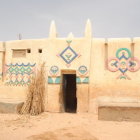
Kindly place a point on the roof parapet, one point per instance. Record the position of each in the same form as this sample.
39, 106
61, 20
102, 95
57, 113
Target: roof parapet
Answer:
53, 32
88, 29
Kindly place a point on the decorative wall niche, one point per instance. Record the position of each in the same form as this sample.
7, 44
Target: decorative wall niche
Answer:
19, 53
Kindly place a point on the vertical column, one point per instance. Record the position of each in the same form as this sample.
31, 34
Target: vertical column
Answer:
2, 60
1, 66
132, 48
106, 54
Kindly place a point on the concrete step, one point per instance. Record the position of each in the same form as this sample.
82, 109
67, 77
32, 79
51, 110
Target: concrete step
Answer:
10, 106
119, 113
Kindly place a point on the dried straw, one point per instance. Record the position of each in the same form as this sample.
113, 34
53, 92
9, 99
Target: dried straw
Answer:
34, 104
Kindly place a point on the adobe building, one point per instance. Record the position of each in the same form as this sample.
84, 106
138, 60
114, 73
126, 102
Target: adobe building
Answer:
81, 73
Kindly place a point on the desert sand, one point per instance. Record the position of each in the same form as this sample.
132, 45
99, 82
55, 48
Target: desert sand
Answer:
65, 126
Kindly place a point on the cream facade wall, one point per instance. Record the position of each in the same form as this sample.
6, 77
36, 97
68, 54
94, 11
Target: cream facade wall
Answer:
105, 69
105, 85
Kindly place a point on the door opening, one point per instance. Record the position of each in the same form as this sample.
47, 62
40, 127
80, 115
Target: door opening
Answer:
69, 93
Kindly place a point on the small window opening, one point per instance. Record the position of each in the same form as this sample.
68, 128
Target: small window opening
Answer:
19, 53
28, 50
40, 50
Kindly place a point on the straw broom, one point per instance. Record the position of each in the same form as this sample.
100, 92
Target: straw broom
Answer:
34, 104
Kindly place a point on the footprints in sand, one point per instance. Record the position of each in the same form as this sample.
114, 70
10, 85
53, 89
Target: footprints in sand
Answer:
72, 133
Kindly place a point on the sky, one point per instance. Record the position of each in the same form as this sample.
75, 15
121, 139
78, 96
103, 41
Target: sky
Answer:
32, 18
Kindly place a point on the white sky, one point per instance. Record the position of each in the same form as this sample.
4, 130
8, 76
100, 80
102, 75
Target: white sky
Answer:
31, 18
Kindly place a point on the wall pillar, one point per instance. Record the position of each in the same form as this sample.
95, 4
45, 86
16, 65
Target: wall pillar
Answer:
2, 60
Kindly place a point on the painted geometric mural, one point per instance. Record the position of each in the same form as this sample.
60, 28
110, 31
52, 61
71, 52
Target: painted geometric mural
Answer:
123, 62
68, 55
54, 80
19, 74
82, 78
82, 70
57, 80
54, 70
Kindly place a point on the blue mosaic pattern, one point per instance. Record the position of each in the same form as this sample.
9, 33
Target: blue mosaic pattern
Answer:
68, 55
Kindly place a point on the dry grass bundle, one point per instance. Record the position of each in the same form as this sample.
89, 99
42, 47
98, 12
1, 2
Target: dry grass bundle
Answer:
34, 104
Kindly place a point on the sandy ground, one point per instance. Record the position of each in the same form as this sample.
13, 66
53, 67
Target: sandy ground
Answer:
64, 126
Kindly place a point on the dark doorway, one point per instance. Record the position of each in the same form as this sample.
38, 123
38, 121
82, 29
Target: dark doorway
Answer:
69, 93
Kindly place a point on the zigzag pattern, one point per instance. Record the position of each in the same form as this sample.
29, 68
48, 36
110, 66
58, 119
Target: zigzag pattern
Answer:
20, 70
22, 64
19, 74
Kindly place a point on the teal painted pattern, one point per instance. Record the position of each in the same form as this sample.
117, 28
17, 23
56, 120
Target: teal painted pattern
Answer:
19, 74
86, 80
57, 80
82, 70
82, 80
50, 80
54, 80
78, 80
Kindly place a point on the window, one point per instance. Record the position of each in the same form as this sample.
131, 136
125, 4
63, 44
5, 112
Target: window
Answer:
19, 53
28, 50
40, 50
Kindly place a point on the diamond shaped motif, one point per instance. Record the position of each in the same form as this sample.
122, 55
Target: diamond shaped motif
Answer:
68, 55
